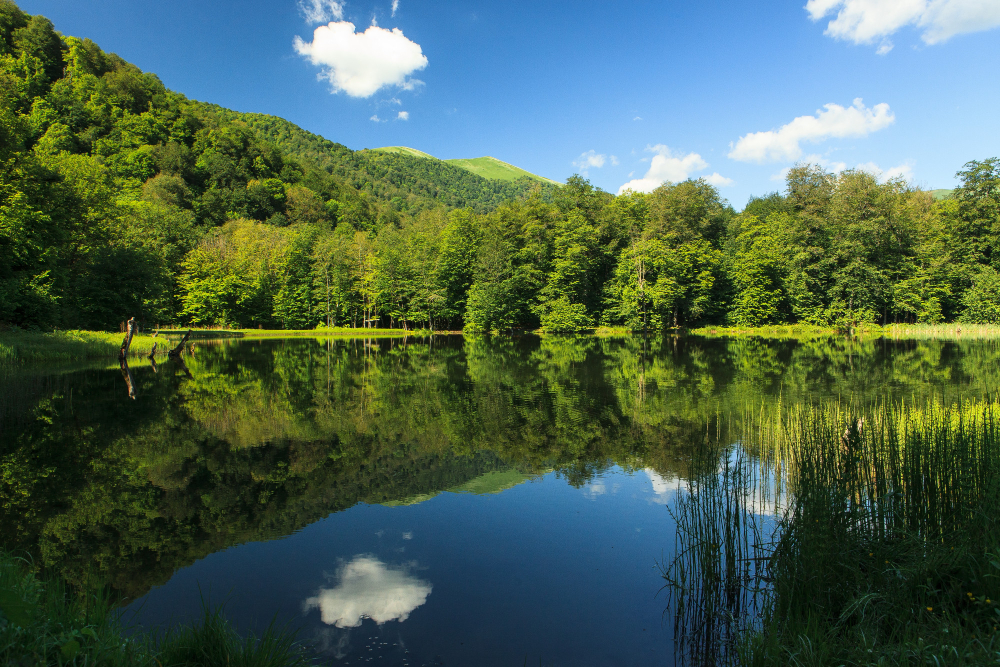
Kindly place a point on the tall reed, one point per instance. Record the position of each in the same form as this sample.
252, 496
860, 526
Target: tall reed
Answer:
885, 548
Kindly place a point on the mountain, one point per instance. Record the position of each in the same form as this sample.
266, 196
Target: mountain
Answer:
408, 179
486, 167
941, 194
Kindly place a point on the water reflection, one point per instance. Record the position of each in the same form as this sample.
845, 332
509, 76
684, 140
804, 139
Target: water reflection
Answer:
368, 588
254, 440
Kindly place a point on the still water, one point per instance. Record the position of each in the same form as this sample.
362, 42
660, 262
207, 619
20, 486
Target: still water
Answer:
440, 501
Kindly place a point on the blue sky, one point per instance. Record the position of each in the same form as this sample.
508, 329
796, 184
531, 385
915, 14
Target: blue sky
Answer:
626, 93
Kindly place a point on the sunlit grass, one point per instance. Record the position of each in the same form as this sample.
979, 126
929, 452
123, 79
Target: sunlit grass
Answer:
19, 346
956, 331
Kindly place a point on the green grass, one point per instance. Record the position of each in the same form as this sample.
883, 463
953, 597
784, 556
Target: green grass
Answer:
778, 331
941, 194
861, 536
42, 623
954, 331
487, 167
18, 346
405, 151
490, 167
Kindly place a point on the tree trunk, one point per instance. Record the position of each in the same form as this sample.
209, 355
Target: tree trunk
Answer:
127, 343
176, 352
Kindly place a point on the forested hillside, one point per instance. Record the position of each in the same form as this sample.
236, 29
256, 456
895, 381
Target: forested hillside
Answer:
119, 197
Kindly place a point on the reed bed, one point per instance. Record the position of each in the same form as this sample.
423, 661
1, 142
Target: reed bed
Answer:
884, 549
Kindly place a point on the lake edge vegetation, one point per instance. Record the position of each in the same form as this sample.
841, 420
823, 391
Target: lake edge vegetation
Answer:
851, 535
45, 623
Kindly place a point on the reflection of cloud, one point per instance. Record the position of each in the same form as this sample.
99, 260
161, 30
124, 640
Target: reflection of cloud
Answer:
368, 588
663, 488
595, 489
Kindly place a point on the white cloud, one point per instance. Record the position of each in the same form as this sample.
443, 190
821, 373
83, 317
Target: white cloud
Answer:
403, 115
720, 181
665, 166
663, 488
614, 161
321, 11
832, 121
367, 588
637, 118
395, 6
588, 160
375, 119
870, 21
360, 63
904, 171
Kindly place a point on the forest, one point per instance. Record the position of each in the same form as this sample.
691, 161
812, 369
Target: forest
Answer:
120, 198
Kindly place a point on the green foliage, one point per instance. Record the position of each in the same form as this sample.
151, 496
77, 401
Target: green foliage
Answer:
112, 187
982, 300
43, 623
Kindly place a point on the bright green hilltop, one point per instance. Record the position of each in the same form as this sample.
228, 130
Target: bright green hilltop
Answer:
487, 167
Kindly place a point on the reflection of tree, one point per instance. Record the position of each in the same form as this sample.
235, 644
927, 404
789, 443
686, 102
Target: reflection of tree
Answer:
258, 439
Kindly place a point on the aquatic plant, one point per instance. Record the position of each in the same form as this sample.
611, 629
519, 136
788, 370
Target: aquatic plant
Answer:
885, 549
45, 623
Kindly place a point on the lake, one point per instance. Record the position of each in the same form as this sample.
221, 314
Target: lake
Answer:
414, 501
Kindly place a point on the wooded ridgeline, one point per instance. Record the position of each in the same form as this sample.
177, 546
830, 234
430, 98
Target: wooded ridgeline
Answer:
121, 198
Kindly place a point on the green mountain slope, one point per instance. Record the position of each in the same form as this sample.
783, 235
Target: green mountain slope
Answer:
941, 194
405, 150
486, 167
490, 167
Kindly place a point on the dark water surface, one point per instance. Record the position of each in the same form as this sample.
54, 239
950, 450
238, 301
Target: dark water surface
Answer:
412, 502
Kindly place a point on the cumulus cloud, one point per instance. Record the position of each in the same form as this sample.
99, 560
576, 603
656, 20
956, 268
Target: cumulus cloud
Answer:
375, 119
663, 488
719, 181
590, 159
832, 121
360, 63
870, 21
368, 588
321, 11
904, 171
403, 115
666, 166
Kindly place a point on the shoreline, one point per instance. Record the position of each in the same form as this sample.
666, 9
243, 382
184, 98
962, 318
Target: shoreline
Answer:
19, 346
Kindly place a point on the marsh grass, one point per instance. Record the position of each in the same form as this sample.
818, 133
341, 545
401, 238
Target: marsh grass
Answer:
885, 547
714, 579
956, 331
42, 623
18, 346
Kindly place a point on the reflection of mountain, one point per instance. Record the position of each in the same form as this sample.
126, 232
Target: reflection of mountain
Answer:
368, 588
266, 437
494, 481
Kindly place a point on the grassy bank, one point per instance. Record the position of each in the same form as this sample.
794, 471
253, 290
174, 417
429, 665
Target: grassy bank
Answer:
895, 331
42, 624
866, 537
18, 346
